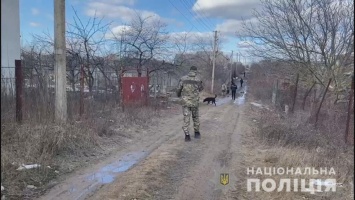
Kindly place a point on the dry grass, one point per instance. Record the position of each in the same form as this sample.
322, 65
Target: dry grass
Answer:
280, 140
65, 147
286, 143
37, 144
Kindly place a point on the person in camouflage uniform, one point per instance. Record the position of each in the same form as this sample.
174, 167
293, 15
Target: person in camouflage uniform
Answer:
188, 89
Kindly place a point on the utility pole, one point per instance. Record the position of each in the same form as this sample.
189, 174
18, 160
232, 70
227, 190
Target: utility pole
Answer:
214, 58
238, 58
60, 61
231, 70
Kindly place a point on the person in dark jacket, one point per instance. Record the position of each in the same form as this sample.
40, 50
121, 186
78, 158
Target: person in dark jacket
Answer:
241, 82
234, 89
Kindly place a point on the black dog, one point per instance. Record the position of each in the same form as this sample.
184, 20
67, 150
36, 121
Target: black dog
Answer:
211, 99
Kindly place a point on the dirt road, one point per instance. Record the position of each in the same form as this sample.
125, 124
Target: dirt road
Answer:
163, 166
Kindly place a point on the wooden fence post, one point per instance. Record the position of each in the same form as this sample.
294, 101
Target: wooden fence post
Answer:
320, 105
147, 90
81, 106
350, 105
19, 90
121, 89
306, 95
295, 94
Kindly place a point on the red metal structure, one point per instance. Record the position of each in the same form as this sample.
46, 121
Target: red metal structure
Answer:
135, 90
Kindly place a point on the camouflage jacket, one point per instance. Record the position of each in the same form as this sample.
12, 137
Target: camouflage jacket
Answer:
189, 88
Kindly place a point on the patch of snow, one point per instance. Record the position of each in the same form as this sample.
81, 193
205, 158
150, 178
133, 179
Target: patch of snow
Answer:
259, 105
31, 187
28, 166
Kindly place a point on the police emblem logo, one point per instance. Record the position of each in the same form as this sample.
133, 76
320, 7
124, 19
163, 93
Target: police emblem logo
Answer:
224, 178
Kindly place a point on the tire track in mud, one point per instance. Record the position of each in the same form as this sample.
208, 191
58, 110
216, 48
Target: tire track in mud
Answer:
161, 174
204, 180
226, 155
171, 156
87, 181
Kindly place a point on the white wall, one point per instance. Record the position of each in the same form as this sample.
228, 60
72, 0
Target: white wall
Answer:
10, 37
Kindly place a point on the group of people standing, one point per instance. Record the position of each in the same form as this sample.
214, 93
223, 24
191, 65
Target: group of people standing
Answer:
233, 88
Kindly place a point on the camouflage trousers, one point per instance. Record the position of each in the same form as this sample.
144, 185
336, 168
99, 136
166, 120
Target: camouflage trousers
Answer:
187, 111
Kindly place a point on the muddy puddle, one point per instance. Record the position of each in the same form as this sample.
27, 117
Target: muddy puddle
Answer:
87, 183
240, 100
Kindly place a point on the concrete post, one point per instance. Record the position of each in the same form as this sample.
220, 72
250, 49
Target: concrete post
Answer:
10, 43
275, 91
60, 61
214, 59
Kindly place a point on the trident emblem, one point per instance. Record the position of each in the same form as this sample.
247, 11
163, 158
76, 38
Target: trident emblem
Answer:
224, 178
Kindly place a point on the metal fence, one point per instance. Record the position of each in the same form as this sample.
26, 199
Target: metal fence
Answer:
287, 93
29, 93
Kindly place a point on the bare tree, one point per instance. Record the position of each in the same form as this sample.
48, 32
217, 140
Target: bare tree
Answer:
38, 59
86, 39
74, 62
315, 35
172, 59
145, 38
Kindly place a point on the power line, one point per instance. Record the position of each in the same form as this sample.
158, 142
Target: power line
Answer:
192, 15
186, 5
204, 15
195, 34
184, 16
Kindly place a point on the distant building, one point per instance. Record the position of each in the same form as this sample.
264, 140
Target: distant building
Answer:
10, 39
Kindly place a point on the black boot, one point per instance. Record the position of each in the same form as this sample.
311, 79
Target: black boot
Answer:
187, 138
197, 135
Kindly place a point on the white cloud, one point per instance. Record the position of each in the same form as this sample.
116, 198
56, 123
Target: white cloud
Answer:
117, 31
232, 12
122, 10
115, 9
191, 37
120, 29
231, 26
35, 11
226, 9
35, 24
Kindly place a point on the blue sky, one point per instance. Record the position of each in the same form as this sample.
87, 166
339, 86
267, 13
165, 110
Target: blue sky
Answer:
198, 16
